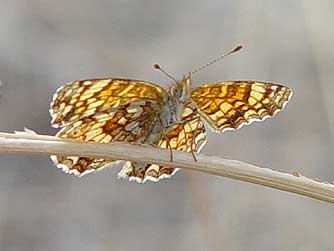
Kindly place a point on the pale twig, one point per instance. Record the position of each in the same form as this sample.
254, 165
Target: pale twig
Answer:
30, 143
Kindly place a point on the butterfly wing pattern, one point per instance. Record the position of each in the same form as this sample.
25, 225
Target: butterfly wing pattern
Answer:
103, 111
230, 105
109, 110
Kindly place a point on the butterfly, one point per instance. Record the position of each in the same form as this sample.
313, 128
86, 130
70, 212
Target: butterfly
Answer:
114, 109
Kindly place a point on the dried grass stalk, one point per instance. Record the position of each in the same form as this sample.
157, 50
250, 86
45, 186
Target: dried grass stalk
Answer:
30, 143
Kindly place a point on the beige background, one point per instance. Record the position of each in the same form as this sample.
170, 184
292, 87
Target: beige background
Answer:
44, 44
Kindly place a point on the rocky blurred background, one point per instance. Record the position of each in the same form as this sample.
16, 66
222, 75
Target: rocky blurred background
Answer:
44, 44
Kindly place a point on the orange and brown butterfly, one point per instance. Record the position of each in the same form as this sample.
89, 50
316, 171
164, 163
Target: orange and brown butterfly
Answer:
134, 111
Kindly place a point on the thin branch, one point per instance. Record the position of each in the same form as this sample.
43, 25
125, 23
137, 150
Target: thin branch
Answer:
47, 145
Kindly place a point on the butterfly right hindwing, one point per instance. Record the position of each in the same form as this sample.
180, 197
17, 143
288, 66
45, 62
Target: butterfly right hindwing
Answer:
187, 137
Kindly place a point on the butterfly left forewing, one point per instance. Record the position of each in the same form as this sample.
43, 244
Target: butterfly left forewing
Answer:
232, 104
83, 98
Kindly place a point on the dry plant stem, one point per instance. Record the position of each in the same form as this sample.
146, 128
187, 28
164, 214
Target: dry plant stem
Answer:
46, 145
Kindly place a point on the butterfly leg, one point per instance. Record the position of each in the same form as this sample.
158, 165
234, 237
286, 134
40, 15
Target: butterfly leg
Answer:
164, 137
170, 150
192, 142
169, 146
192, 150
187, 121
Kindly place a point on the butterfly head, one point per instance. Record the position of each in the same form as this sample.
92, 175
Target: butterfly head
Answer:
181, 90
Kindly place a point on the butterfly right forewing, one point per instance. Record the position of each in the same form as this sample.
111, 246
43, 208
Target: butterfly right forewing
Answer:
232, 104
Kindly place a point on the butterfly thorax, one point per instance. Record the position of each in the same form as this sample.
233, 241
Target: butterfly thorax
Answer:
179, 96
172, 114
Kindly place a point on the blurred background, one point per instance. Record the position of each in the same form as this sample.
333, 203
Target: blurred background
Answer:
44, 44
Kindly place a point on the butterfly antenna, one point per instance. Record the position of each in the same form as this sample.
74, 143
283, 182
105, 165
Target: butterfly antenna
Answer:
234, 50
157, 67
